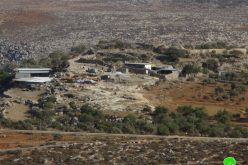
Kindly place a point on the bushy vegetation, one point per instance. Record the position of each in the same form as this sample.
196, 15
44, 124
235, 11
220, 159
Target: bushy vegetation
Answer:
231, 76
171, 54
226, 91
213, 45
211, 64
190, 69
20, 125
114, 44
57, 60
78, 49
5, 79
186, 120
223, 117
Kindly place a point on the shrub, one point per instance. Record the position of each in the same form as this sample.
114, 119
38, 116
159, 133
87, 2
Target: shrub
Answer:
217, 131
209, 81
171, 54
128, 128
167, 58
59, 61
44, 115
223, 117
212, 45
48, 105
78, 49
5, 78
175, 52
131, 119
235, 133
190, 69
57, 136
230, 76
160, 115
73, 105
211, 64
87, 109
163, 130
145, 127
23, 125
160, 110
203, 127
29, 63
219, 90
173, 127
51, 99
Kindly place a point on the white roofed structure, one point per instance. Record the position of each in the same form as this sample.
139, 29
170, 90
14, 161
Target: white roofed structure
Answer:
33, 75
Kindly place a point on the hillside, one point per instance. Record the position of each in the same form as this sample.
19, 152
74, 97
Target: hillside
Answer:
33, 28
77, 148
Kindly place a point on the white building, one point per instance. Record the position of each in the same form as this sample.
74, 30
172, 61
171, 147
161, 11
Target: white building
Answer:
33, 75
139, 67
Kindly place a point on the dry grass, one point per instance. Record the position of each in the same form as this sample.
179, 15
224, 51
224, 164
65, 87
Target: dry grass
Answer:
192, 93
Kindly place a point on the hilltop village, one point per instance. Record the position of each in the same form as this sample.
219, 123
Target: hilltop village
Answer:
117, 79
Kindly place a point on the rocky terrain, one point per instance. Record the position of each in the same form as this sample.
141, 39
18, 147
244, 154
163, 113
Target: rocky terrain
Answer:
33, 28
118, 149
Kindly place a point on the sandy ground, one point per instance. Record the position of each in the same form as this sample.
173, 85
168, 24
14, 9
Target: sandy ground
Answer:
122, 95
18, 111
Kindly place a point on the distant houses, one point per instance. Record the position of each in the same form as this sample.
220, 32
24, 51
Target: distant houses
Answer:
164, 72
33, 75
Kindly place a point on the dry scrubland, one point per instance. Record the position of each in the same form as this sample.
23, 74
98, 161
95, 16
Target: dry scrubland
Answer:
40, 148
33, 28
172, 95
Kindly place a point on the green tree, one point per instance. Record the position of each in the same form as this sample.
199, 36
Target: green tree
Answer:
59, 61
5, 78
223, 117
190, 69
163, 130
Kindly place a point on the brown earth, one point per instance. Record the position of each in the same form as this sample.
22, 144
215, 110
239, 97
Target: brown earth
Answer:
192, 93
17, 110
26, 18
